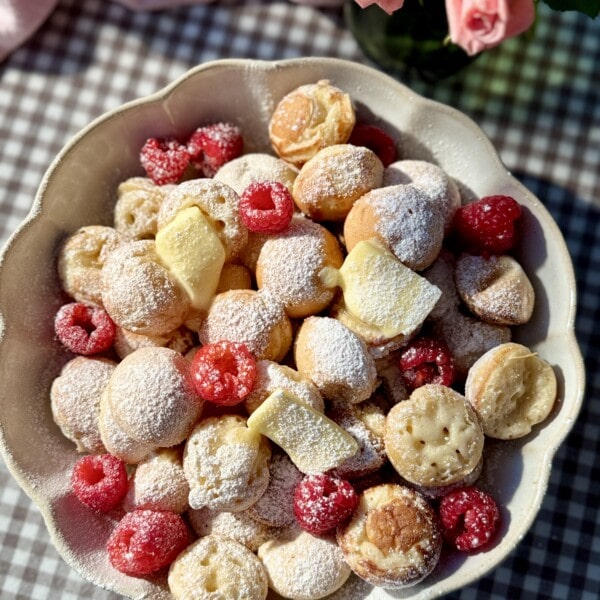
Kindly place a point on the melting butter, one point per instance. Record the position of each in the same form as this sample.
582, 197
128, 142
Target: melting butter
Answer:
192, 251
382, 292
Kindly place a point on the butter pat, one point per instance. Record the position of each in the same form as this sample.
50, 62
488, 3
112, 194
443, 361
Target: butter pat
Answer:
313, 442
382, 292
190, 248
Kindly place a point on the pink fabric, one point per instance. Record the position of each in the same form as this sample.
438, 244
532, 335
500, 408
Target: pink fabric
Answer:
323, 3
19, 19
479, 24
388, 5
159, 4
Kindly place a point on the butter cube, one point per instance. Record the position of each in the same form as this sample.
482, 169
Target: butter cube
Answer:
313, 442
190, 248
384, 293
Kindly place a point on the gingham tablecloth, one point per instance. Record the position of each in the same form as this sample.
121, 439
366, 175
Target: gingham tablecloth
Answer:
538, 100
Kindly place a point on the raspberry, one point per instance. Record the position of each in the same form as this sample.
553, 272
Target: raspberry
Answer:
377, 140
487, 226
223, 372
99, 481
266, 207
84, 329
426, 360
164, 161
145, 541
469, 517
211, 146
322, 502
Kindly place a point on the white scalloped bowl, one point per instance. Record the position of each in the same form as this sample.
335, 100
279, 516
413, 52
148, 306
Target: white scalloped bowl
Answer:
79, 189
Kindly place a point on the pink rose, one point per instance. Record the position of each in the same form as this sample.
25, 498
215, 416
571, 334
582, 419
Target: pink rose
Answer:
388, 5
479, 24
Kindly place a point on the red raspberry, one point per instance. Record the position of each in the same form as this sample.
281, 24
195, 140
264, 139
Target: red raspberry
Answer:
377, 140
487, 226
164, 161
322, 502
223, 372
84, 329
145, 541
470, 518
426, 360
99, 481
266, 207
211, 146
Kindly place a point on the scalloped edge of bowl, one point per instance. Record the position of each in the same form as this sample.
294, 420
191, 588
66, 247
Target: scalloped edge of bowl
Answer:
317, 68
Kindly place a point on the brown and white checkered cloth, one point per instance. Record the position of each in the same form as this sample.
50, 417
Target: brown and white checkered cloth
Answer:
537, 99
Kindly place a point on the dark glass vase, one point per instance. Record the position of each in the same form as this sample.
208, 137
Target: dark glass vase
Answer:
412, 39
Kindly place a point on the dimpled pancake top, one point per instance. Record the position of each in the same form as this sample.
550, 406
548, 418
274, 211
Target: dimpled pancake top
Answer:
75, 400
80, 261
254, 318
330, 182
403, 219
226, 464
335, 359
310, 118
512, 389
138, 203
429, 178
393, 539
496, 289
218, 203
139, 294
238, 526
152, 397
271, 375
158, 483
240, 172
290, 262
303, 566
217, 567
434, 438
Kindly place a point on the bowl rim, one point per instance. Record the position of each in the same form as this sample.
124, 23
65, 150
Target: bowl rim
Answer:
329, 63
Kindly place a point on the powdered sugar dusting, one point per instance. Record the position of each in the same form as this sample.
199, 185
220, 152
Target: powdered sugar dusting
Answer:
335, 359
226, 469
75, 400
289, 265
158, 484
152, 398
301, 565
271, 375
250, 168
429, 178
245, 316
276, 506
239, 526
409, 223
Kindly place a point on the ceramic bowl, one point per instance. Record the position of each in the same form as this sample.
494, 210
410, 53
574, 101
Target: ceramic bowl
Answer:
79, 189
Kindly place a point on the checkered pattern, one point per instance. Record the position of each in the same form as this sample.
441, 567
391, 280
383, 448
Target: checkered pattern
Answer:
538, 100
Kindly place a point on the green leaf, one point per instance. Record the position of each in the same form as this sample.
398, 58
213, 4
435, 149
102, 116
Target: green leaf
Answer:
588, 7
